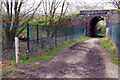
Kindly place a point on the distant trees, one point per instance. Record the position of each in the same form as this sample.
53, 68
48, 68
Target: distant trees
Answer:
51, 7
53, 12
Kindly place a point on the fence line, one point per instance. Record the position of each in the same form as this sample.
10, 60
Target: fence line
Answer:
41, 38
113, 33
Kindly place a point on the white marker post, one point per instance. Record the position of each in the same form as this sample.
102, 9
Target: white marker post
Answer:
17, 49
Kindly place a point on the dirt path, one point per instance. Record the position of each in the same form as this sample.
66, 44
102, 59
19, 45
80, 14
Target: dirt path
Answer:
81, 60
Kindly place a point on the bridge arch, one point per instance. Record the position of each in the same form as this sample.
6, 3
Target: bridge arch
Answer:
88, 19
93, 22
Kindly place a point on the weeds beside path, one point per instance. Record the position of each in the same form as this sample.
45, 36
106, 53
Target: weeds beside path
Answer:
86, 59
10, 65
112, 50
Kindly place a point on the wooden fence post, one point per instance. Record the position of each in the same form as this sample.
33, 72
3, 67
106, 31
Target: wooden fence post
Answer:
17, 49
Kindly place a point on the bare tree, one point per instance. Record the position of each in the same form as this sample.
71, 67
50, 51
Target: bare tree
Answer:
0, 24
116, 3
14, 13
50, 9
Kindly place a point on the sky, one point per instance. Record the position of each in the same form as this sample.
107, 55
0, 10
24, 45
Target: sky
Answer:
76, 6
92, 2
89, 1
103, 4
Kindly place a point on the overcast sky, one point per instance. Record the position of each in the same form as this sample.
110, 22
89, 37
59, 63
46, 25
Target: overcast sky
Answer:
93, 2
101, 3
76, 6
104, 2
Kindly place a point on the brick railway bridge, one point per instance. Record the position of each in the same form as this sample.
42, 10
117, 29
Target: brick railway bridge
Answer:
88, 19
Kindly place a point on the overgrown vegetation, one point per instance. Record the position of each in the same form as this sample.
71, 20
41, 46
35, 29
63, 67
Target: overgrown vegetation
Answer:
50, 53
102, 28
6, 71
41, 20
112, 50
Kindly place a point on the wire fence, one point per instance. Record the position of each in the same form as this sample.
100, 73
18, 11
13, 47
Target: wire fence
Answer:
43, 37
113, 33
39, 38
8, 46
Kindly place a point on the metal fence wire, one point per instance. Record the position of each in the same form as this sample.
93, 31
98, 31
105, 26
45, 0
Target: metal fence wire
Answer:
43, 37
40, 38
113, 33
8, 52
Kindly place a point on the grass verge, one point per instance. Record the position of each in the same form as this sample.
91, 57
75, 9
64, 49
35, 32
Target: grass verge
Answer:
50, 53
112, 50
6, 71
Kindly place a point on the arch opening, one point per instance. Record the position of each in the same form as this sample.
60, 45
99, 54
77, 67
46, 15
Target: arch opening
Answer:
93, 26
